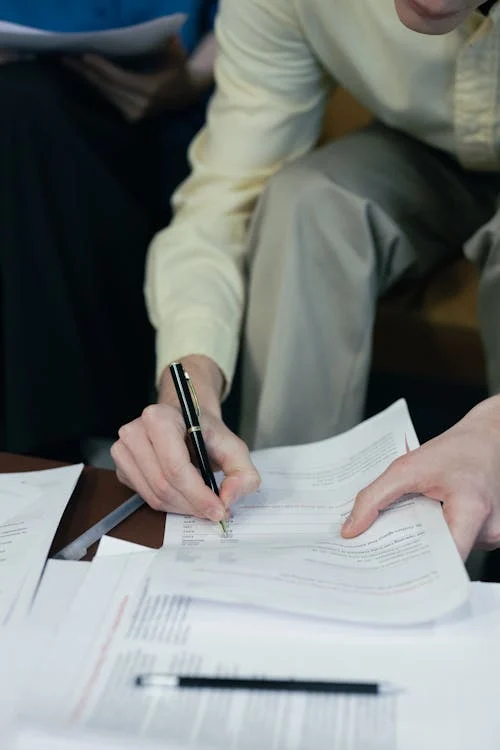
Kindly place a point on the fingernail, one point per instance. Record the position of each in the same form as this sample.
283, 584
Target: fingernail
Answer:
215, 513
348, 522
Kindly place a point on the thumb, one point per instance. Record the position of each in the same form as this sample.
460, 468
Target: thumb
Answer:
400, 478
232, 456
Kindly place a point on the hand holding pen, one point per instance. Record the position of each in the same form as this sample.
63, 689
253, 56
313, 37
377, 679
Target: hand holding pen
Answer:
152, 455
191, 413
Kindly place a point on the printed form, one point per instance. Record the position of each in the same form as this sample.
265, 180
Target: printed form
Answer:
283, 549
118, 628
31, 506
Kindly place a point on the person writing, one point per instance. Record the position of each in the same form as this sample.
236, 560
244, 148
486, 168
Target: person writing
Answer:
91, 151
308, 238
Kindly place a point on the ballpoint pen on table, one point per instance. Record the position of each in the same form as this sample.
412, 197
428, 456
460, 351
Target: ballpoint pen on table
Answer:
159, 680
191, 413
78, 548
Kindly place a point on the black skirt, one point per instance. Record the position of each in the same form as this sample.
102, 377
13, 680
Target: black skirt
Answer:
81, 194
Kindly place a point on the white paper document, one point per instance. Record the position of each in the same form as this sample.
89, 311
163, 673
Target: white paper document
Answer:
283, 549
118, 628
135, 40
38, 738
31, 506
111, 545
302, 604
60, 583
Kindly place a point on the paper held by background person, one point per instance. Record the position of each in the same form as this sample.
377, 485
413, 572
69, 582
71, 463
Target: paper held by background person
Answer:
284, 551
31, 506
140, 39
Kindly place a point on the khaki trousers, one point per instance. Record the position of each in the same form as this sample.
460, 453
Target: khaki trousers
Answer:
333, 231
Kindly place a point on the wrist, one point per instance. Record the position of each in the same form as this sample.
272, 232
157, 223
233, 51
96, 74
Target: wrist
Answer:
207, 379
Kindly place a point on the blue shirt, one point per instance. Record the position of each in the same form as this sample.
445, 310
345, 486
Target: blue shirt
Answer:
96, 15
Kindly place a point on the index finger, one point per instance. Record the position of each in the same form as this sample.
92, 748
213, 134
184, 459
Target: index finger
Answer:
114, 74
167, 432
400, 478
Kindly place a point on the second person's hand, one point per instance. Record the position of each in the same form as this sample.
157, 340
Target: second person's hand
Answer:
152, 456
459, 468
137, 95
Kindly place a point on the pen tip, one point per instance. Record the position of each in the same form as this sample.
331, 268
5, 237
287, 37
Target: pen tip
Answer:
223, 527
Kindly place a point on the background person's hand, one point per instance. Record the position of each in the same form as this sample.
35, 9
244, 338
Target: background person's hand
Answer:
461, 468
152, 456
172, 85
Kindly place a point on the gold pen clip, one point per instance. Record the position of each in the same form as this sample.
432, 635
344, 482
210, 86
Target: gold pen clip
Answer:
193, 394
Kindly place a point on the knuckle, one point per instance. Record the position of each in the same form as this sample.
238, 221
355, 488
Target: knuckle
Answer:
126, 431
229, 445
155, 503
492, 539
254, 479
366, 494
150, 413
177, 473
118, 453
121, 477
402, 463
256, 476
240, 446
362, 500
161, 487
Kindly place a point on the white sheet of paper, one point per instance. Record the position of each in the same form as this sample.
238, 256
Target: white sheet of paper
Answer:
110, 545
15, 497
26, 535
140, 39
41, 738
112, 633
21, 646
118, 628
284, 551
60, 583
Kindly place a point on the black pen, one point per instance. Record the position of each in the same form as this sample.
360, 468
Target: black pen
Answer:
159, 680
191, 413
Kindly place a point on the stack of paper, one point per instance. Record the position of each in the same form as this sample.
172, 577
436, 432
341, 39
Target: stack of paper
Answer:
281, 596
117, 628
284, 551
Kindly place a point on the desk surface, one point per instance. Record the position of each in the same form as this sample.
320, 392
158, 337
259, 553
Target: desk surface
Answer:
97, 493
